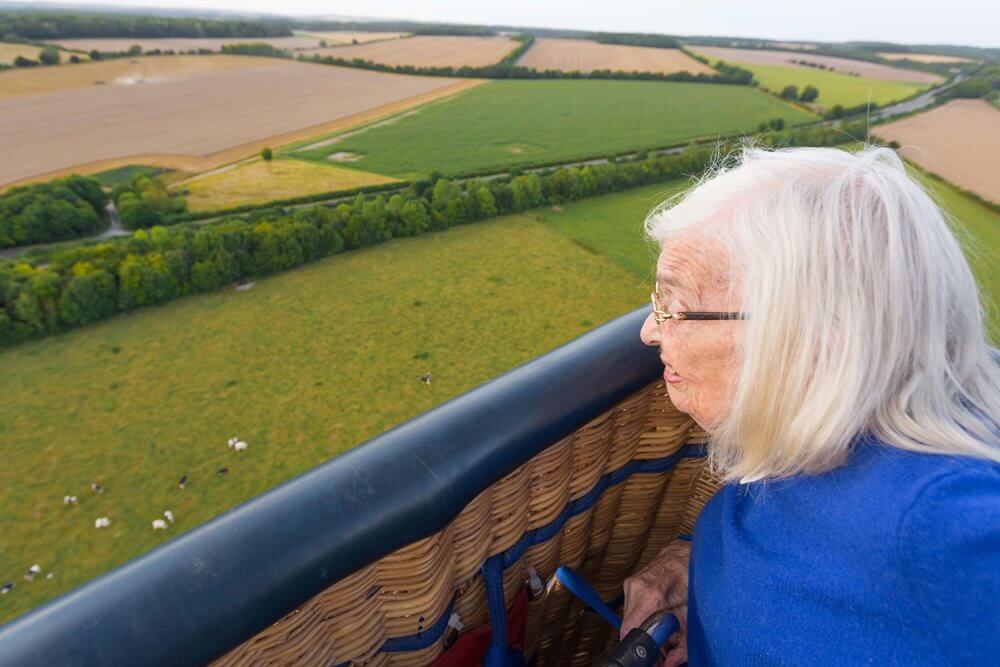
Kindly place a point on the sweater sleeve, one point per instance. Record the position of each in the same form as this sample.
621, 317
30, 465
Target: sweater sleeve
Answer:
949, 549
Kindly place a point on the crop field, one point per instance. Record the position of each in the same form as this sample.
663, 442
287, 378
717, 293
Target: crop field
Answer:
834, 88
432, 51
303, 366
505, 123
349, 37
959, 140
258, 181
216, 115
116, 44
585, 56
10, 52
924, 57
860, 68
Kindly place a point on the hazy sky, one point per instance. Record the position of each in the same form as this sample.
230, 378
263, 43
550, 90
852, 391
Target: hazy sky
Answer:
971, 22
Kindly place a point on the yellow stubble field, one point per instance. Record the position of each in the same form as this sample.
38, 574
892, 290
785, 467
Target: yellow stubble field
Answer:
585, 56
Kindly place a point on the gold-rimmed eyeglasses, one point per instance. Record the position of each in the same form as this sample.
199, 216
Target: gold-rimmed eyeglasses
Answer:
661, 315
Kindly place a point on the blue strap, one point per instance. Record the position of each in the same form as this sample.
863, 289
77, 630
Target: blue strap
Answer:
496, 655
423, 638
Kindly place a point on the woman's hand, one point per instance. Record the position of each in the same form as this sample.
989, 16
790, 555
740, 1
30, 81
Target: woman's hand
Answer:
661, 585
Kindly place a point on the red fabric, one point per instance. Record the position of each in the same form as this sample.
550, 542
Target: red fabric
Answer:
469, 649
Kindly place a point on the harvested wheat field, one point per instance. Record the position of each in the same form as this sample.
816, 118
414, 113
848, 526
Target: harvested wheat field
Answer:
195, 121
118, 72
348, 37
925, 57
582, 55
115, 44
255, 181
9, 52
959, 141
432, 51
842, 65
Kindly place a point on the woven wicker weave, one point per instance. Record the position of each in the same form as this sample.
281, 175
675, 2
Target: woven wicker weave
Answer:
411, 589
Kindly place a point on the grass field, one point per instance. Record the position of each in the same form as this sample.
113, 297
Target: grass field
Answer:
607, 226
257, 181
303, 366
505, 123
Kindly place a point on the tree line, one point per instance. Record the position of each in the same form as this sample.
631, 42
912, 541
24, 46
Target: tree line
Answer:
47, 25
65, 208
74, 286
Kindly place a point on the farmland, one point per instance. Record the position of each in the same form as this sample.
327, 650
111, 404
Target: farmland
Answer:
506, 123
924, 57
431, 51
230, 108
302, 367
257, 181
859, 68
959, 140
9, 52
117, 44
349, 37
585, 56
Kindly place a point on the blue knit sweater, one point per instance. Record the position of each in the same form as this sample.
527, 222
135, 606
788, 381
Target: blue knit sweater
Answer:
891, 559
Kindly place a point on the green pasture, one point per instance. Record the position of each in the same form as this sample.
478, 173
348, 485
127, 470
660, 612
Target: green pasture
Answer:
506, 123
834, 87
610, 226
302, 367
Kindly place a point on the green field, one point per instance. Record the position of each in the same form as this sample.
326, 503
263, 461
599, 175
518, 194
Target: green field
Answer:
606, 225
504, 123
834, 87
303, 366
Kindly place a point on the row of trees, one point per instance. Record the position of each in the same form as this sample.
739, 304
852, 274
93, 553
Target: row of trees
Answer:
47, 25
145, 202
65, 208
49, 55
809, 93
75, 286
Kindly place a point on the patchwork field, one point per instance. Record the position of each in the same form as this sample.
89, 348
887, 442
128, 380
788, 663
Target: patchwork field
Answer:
432, 51
959, 140
584, 56
834, 88
506, 123
842, 65
116, 44
214, 116
257, 181
302, 367
924, 57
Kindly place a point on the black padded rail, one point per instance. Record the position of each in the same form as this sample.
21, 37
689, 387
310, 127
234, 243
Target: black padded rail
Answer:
201, 594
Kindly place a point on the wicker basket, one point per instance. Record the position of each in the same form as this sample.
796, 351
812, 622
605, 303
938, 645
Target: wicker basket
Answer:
603, 500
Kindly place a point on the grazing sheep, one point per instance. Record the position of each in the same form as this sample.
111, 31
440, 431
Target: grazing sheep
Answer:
35, 569
223, 470
102, 522
183, 481
426, 379
49, 575
232, 442
7, 588
96, 487
169, 515
69, 500
240, 446
159, 524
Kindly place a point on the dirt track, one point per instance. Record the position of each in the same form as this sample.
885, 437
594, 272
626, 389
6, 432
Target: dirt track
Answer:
584, 56
959, 141
197, 120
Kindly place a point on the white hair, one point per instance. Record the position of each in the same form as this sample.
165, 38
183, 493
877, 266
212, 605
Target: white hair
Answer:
865, 316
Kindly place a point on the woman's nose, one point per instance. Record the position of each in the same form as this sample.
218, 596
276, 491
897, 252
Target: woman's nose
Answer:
650, 332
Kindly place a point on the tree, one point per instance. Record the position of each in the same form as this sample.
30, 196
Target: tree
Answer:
49, 56
809, 94
790, 92
88, 297
777, 124
21, 61
267, 154
134, 50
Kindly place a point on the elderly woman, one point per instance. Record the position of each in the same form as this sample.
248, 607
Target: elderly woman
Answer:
817, 317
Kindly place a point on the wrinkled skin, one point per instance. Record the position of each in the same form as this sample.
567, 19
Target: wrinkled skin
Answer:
703, 354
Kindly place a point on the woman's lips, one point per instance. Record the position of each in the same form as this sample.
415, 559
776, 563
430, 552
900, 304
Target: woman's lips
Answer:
672, 378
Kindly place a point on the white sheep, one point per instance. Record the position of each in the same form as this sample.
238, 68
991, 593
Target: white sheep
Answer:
102, 522
239, 445
69, 500
169, 515
35, 569
159, 524
233, 441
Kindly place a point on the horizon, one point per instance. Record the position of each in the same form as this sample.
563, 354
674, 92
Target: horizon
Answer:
717, 18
